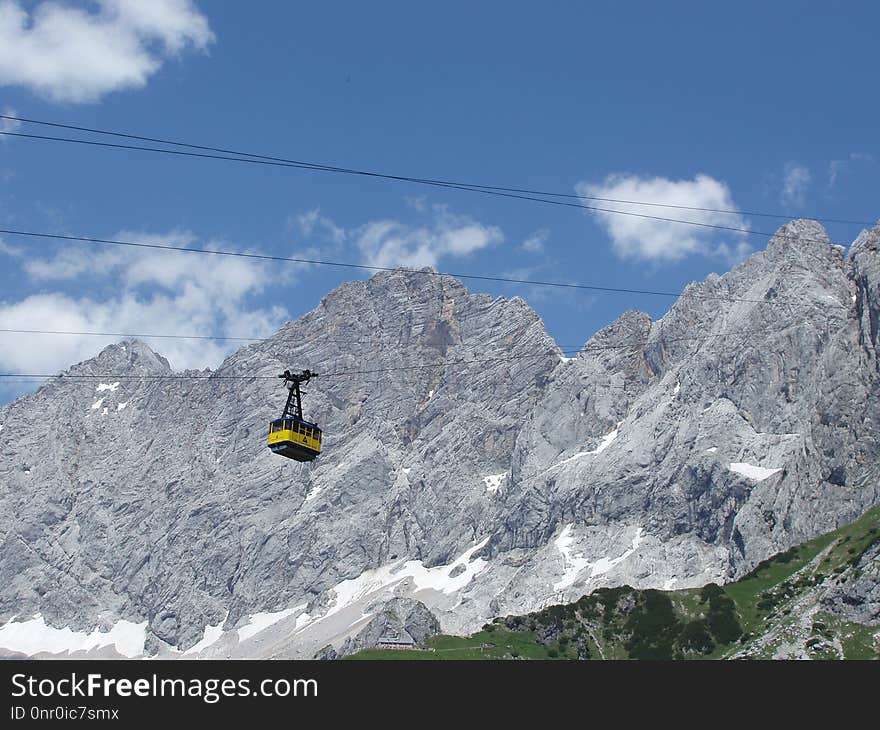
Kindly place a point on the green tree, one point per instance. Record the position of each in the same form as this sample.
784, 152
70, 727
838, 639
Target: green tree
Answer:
696, 639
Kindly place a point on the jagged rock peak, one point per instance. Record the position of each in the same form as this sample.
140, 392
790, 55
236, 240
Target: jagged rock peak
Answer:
631, 326
866, 241
414, 298
130, 356
800, 236
426, 278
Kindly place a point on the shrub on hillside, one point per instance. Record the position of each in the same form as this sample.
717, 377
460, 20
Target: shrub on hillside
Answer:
653, 627
696, 639
709, 591
722, 619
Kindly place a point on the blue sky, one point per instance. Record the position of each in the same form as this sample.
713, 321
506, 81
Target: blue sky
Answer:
751, 106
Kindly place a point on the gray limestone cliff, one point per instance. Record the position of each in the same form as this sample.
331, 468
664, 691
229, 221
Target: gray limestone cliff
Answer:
466, 463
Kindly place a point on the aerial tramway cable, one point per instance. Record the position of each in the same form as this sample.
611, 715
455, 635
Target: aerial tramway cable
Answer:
323, 167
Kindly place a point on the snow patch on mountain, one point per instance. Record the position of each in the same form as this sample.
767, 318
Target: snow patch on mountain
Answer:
35, 636
603, 565
442, 578
572, 564
606, 441
758, 473
258, 622
212, 635
493, 482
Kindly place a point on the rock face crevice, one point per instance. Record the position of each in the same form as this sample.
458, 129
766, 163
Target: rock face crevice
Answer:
667, 452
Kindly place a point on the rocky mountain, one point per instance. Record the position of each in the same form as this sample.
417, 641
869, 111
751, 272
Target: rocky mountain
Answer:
817, 600
467, 464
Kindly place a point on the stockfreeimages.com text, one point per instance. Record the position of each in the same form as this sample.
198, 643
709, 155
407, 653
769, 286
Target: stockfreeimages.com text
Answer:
209, 690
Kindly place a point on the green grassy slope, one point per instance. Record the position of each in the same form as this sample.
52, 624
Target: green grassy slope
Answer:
773, 611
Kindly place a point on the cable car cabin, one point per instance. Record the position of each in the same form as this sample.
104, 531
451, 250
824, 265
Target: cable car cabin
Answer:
291, 435
295, 439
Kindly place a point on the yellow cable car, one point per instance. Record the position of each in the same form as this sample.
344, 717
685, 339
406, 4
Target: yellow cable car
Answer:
290, 435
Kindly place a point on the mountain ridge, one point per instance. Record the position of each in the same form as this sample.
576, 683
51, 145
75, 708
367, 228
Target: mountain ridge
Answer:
553, 475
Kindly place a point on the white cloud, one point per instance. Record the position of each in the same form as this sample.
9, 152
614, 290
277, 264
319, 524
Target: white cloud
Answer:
390, 243
535, 242
172, 271
158, 291
658, 240
418, 203
8, 249
795, 181
69, 54
313, 223
9, 125
733, 252
837, 167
